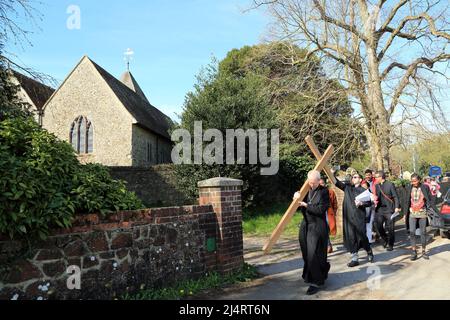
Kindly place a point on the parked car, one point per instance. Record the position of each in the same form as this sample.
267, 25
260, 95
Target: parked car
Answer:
446, 178
441, 221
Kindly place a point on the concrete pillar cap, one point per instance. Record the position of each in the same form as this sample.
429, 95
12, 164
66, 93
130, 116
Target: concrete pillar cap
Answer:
220, 182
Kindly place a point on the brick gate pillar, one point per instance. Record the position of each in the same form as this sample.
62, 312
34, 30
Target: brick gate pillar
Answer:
224, 195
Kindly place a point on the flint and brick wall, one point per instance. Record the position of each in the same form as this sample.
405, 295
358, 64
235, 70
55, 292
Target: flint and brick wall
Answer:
225, 196
128, 251
155, 186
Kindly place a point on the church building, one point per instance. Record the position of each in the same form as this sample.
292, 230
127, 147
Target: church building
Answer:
106, 120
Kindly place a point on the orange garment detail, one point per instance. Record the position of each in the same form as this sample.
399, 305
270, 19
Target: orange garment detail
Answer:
332, 211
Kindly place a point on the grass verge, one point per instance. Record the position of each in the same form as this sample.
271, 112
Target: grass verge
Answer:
261, 222
189, 288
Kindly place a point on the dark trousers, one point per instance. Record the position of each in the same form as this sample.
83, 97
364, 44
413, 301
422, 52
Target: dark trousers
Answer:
407, 222
423, 231
386, 228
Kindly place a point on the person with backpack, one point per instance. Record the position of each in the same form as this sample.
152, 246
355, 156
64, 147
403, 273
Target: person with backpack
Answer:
387, 208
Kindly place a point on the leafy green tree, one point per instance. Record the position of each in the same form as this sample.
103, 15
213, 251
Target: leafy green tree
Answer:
42, 184
430, 150
305, 100
262, 87
223, 101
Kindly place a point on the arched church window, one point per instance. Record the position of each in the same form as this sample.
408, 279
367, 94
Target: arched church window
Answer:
90, 138
82, 135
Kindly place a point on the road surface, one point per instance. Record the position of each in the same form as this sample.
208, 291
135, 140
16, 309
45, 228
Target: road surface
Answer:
391, 276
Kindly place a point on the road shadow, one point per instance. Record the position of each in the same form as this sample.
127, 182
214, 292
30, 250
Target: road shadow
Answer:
402, 245
439, 249
281, 267
363, 273
340, 275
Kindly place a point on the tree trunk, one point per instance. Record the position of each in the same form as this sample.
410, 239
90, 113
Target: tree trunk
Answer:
380, 136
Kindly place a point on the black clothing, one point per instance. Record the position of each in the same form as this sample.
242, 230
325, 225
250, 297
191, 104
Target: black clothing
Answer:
388, 201
354, 219
384, 223
313, 237
426, 193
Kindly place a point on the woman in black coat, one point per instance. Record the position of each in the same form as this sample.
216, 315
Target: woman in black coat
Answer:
354, 220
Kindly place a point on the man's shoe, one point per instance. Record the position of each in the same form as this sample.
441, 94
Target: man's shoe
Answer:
425, 255
353, 264
414, 256
385, 245
390, 248
371, 257
312, 290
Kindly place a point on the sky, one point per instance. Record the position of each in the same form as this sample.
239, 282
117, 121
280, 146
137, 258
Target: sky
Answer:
172, 40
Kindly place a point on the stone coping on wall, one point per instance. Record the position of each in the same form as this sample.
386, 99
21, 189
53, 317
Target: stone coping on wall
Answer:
83, 223
220, 182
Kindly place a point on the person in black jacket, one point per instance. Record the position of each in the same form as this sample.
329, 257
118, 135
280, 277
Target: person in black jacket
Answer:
388, 204
313, 235
419, 201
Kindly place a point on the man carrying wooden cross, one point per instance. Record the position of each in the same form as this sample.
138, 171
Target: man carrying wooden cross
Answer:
313, 235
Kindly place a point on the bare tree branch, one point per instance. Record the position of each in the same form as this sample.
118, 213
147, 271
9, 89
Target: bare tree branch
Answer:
361, 54
397, 31
352, 28
410, 72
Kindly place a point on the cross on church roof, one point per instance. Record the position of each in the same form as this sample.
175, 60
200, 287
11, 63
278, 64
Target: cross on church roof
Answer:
128, 57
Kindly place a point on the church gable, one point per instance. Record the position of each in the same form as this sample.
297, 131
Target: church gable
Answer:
98, 115
146, 115
35, 92
85, 112
85, 80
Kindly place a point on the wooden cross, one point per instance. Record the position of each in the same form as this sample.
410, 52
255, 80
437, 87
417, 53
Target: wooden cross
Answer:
310, 142
321, 165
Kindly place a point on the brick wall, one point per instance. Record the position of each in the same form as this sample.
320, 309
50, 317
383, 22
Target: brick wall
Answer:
225, 196
129, 250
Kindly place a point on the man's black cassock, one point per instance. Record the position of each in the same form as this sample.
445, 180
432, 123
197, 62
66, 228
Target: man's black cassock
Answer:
354, 219
314, 237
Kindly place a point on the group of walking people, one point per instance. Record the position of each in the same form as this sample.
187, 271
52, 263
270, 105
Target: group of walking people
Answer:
371, 203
